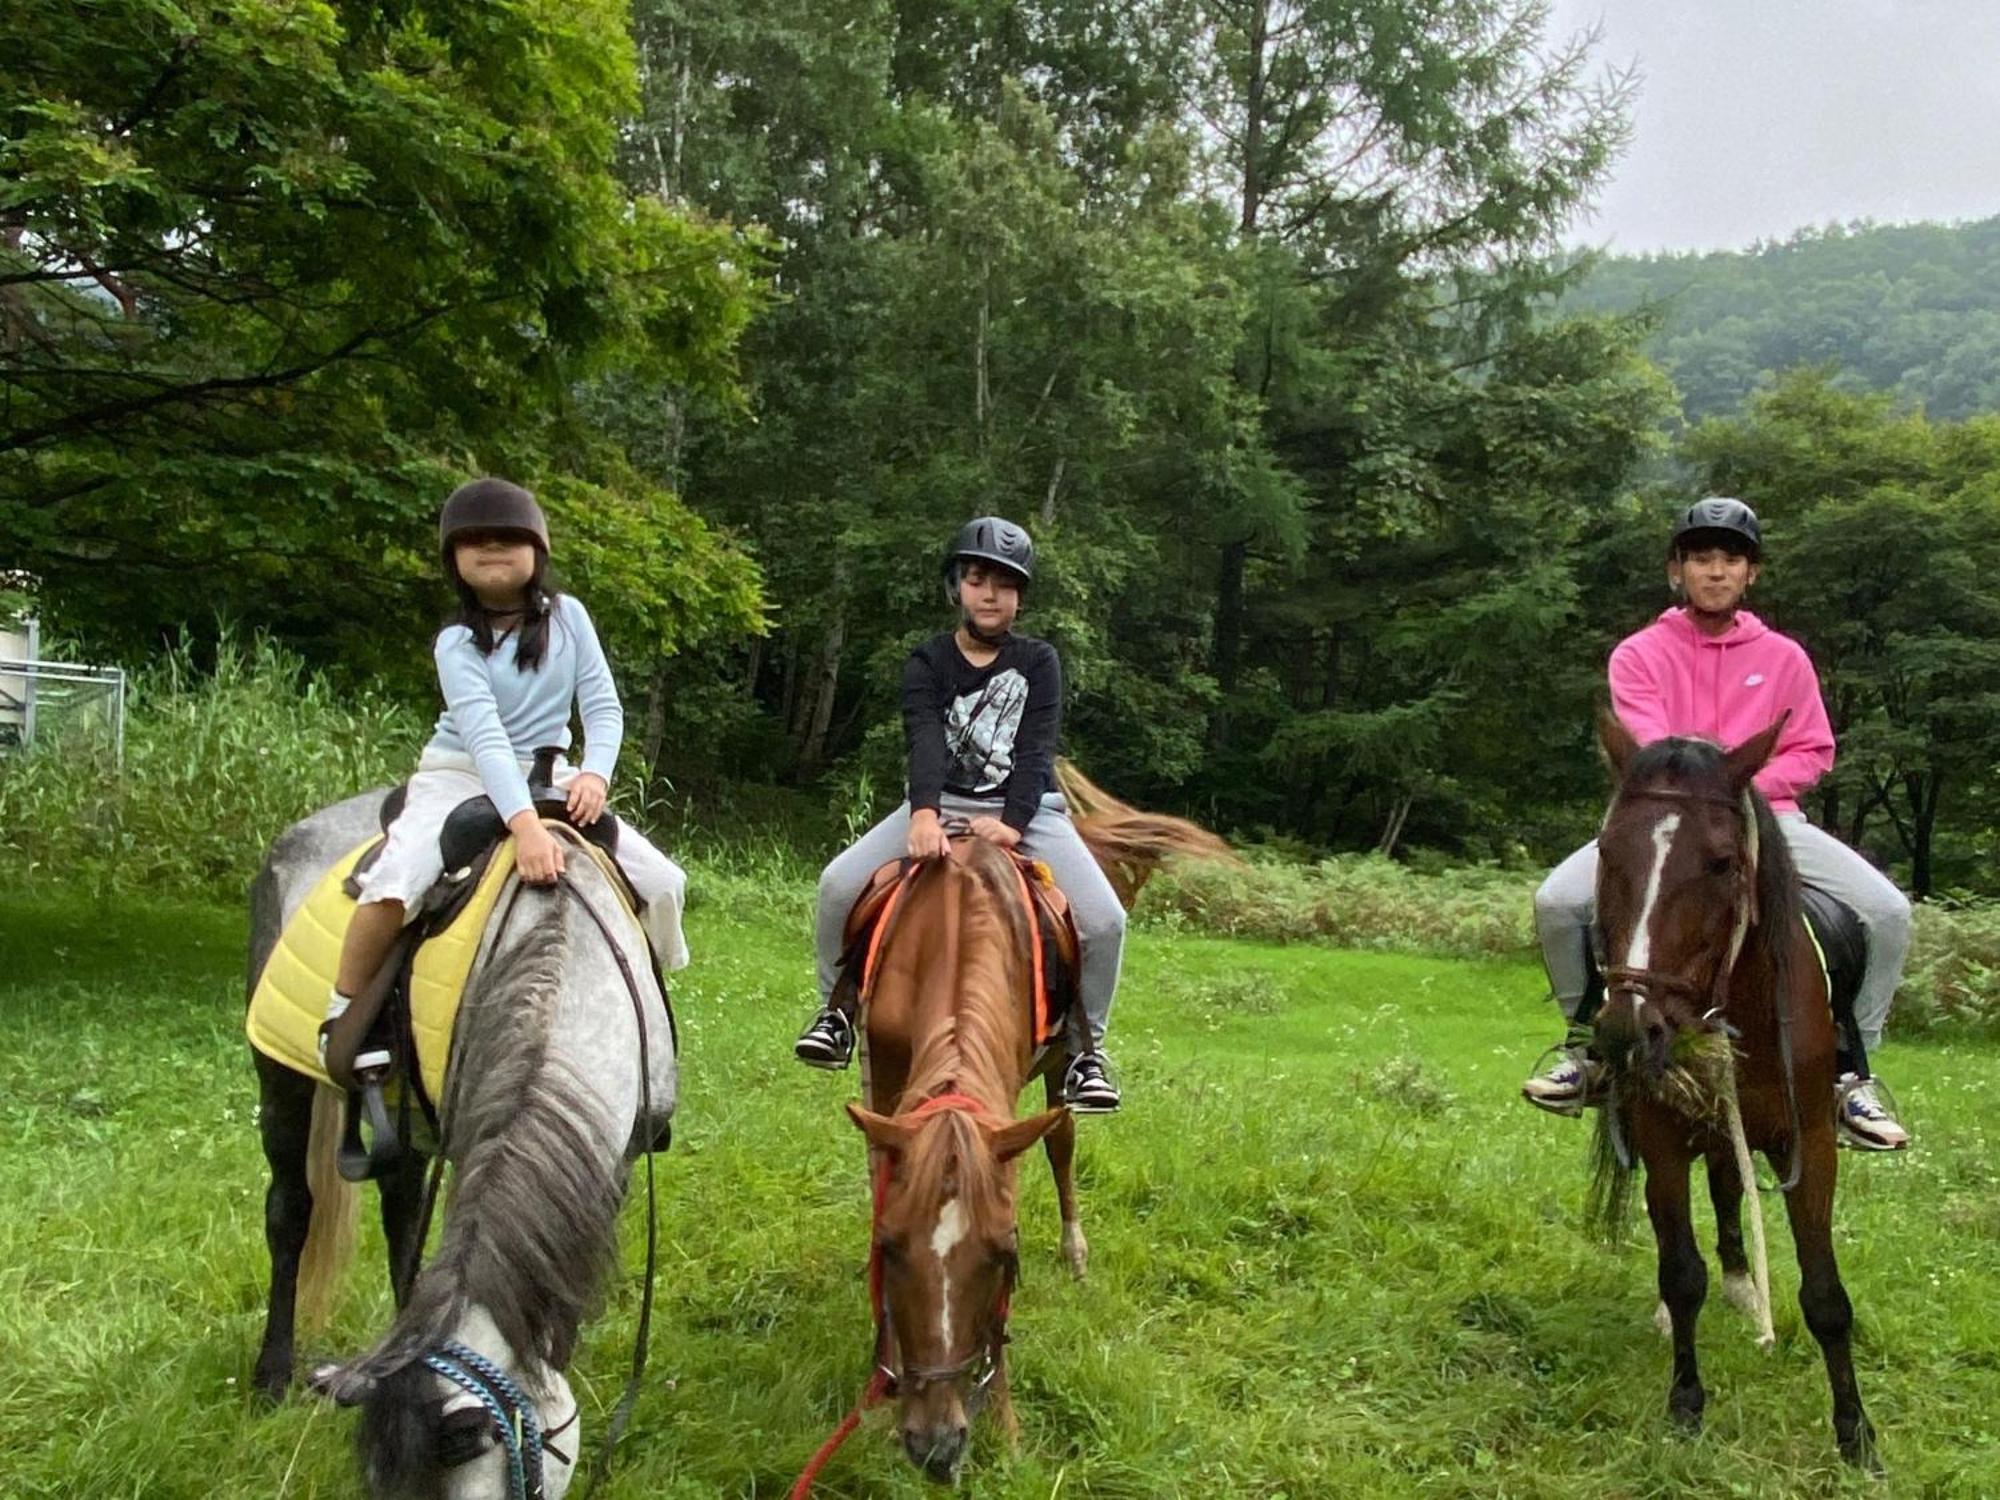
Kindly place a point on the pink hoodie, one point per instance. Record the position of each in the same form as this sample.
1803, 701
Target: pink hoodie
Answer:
1670, 679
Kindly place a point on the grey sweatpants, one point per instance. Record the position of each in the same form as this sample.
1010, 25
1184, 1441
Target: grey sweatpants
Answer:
1051, 838
1565, 907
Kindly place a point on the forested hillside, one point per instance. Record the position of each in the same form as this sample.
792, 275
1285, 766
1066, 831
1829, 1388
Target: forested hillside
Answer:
1913, 309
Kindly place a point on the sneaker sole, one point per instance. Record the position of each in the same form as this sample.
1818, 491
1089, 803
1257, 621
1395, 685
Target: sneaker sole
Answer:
824, 1064
1090, 1107
1848, 1141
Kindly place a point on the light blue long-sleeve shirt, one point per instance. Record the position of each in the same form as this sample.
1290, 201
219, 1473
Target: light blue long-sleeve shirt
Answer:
500, 715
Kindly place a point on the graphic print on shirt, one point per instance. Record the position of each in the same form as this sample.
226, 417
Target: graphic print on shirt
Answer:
979, 732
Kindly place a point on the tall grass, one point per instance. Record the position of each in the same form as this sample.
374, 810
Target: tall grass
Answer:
217, 763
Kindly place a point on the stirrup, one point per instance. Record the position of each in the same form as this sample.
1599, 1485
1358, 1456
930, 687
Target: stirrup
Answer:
827, 1042
1585, 1098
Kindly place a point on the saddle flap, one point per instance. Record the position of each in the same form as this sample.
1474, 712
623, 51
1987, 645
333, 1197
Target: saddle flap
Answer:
1051, 908
1843, 943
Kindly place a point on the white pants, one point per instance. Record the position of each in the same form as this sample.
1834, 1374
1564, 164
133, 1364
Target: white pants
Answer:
410, 863
1565, 906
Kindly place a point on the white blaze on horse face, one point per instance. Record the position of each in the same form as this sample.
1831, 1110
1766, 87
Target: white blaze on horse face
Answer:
1641, 948
952, 1223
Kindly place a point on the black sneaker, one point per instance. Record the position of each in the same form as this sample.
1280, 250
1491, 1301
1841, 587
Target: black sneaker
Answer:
827, 1043
1087, 1088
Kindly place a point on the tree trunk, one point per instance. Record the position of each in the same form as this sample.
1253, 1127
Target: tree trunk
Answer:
1923, 814
1049, 495
826, 682
788, 695
1398, 816
656, 721
1253, 115
1228, 643
982, 398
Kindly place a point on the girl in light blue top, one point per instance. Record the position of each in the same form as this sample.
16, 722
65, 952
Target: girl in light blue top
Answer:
512, 664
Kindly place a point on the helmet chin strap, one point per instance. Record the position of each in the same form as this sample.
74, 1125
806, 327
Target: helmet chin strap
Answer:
985, 638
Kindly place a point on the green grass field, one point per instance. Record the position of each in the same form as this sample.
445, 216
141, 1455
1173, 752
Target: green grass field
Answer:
1332, 1254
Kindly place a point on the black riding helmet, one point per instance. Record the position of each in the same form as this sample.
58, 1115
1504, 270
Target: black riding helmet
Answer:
991, 539
491, 505
1718, 520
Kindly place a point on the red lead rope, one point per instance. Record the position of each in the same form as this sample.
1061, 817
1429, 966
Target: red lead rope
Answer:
879, 1379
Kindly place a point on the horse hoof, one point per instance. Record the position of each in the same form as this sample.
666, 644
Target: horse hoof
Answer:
269, 1386
1076, 1251
1859, 1450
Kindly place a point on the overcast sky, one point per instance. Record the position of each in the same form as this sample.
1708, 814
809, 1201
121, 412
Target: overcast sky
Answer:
1758, 116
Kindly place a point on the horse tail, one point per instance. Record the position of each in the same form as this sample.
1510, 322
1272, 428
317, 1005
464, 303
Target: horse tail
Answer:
330, 1232
1128, 844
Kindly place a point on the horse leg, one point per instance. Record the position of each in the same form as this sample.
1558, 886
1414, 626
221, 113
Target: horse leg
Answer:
1060, 1143
402, 1190
1000, 1398
1725, 1192
1822, 1297
284, 1119
1683, 1279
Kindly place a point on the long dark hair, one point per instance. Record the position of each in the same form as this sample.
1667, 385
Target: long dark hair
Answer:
531, 630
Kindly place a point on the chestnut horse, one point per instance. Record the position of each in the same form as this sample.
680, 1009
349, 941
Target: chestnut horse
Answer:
950, 1046
1714, 990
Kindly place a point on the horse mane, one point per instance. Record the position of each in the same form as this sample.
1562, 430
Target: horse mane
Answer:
530, 1222
1129, 844
974, 1050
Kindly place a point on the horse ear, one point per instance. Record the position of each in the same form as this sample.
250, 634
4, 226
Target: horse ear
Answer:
1010, 1140
883, 1133
1616, 739
1748, 758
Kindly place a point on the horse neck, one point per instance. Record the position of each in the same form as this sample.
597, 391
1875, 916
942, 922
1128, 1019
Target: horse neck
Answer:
969, 1016
533, 1143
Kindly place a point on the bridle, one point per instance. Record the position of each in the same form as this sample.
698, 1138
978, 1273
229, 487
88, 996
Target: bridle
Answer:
984, 1354
1641, 983
1645, 983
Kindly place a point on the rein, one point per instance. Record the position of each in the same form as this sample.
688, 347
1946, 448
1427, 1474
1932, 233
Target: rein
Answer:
882, 1380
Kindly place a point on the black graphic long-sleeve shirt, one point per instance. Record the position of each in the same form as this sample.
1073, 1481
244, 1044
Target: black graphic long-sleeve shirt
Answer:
988, 732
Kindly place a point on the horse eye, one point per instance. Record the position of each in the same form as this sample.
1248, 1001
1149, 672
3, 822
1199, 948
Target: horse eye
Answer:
1721, 864
889, 1249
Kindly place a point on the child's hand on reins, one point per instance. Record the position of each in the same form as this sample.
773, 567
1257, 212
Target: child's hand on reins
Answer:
586, 798
927, 835
537, 855
996, 832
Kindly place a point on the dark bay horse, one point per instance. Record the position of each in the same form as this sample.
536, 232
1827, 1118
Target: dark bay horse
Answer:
949, 1049
543, 1112
1712, 982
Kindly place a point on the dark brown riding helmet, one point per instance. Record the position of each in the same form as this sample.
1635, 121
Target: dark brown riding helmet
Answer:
491, 505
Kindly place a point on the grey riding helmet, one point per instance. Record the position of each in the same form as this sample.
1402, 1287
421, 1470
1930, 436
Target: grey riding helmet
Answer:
995, 540
1718, 520
491, 505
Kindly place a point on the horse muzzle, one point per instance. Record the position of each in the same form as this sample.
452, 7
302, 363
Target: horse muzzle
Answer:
937, 1450
1634, 1036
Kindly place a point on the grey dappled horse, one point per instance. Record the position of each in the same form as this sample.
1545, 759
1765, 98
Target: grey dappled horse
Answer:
541, 1121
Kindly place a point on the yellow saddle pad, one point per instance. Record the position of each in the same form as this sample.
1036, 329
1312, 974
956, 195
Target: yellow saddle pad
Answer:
290, 1000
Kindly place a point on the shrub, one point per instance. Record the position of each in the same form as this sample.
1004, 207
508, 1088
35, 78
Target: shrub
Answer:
1352, 901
